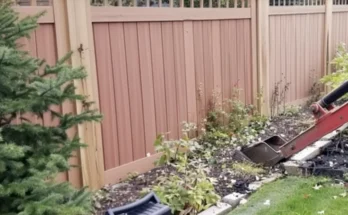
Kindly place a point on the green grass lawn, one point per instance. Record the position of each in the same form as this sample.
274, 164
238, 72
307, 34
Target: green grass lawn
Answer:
296, 196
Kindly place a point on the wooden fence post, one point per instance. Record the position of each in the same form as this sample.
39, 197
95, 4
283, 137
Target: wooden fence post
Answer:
327, 40
63, 47
254, 56
263, 54
81, 42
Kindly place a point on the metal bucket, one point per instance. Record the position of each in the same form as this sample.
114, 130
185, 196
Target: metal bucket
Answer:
266, 152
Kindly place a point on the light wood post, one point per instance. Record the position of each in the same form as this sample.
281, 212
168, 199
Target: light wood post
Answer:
263, 54
81, 42
254, 54
327, 40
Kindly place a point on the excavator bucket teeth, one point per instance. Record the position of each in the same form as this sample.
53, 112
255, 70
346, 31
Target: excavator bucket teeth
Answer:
265, 153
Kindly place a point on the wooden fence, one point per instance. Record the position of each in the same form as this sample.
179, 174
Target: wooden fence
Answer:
155, 63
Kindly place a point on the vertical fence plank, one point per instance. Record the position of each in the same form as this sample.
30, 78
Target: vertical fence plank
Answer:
169, 69
225, 60
217, 60
201, 3
208, 62
247, 62
190, 71
179, 65
240, 41
147, 85
121, 92
107, 97
158, 77
119, 3
33, 2
135, 95
199, 69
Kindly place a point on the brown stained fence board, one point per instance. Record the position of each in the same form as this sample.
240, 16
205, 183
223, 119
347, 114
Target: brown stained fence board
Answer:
144, 45
190, 71
224, 58
158, 77
240, 40
232, 53
272, 51
231, 73
287, 61
107, 97
199, 70
216, 51
170, 80
179, 62
292, 57
303, 55
208, 62
135, 94
298, 55
248, 61
122, 94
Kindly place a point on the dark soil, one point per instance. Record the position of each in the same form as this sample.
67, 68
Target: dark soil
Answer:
333, 161
227, 181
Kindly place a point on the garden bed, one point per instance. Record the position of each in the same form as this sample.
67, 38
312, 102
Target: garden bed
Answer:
219, 167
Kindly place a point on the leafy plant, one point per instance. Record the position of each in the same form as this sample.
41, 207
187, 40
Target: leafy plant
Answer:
187, 194
188, 190
340, 75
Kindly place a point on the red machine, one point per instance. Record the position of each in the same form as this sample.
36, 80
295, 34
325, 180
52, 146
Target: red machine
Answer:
328, 119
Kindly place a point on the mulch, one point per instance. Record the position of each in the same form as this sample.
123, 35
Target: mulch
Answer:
227, 181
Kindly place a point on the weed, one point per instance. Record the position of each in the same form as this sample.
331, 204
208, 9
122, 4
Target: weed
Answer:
245, 168
345, 176
234, 122
278, 97
291, 111
131, 176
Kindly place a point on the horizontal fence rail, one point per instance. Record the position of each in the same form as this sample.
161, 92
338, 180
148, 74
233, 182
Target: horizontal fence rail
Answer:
33, 2
174, 3
296, 2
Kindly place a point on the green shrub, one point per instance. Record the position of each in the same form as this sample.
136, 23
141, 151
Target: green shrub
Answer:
340, 63
32, 155
191, 192
188, 190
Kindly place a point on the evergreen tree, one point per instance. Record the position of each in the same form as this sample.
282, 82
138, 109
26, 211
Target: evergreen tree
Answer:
31, 155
